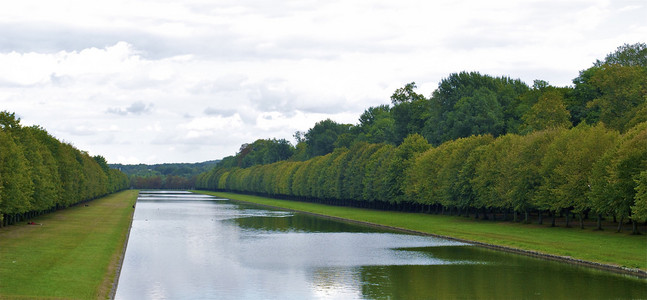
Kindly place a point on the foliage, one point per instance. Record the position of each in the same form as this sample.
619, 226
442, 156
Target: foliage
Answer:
322, 137
470, 103
628, 55
479, 144
548, 112
164, 176
39, 174
640, 206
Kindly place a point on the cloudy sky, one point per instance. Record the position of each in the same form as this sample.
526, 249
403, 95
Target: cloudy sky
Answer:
189, 81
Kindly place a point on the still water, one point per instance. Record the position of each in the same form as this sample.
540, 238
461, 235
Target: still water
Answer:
191, 246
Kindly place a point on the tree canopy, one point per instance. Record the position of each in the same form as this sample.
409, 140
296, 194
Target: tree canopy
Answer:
38, 173
478, 143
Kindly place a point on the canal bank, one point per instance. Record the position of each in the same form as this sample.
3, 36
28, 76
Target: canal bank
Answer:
71, 254
619, 253
122, 254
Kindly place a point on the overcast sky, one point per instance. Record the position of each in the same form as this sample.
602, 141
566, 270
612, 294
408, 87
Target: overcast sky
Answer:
189, 81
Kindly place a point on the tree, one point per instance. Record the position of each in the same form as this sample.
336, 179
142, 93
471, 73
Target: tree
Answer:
43, 171
620, 74
264, 151
9, 121
526, 177
474, 115
548, 112
321, 138
628, 55
623, 91
403, 159
567, 166
584, 91
17, 186
451, 180
639, 209
377, 125
406, 94
493, 175
410, 112
628, 162
489, 101
375, 185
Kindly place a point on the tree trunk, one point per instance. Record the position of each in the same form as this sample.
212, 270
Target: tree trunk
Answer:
527, 218
476, 213
567, 220
514, 216
552, 223
493, 215
622, 219
634, 227
599, 227
581, 221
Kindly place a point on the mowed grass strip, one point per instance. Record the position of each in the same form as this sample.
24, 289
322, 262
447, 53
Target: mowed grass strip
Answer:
605, 247
72, 255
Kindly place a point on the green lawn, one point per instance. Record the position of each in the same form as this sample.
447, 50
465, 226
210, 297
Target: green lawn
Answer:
73, 255
606, 247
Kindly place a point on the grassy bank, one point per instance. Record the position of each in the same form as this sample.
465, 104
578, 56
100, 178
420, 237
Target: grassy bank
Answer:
72, 255
605, 247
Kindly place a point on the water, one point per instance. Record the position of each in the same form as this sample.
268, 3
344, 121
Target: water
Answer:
190, 246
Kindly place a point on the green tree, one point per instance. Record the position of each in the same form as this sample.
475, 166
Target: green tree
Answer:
604, 81
473, 115
628, 162
548, 112
623, 91
17, 187
44, 172
493, 175
321, 138
377, 125
410, 111
526, 176
628, 55
375, 185
403, 159
567, 166
475, 93
639, 209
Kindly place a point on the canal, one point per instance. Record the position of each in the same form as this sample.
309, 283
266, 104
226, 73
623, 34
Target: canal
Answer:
192, 246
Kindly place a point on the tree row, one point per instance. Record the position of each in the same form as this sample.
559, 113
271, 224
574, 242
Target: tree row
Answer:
479, 144
586, 170
39, 174
164, 176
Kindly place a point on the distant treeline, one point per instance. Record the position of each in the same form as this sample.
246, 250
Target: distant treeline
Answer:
479, 144
39, 174
164, 176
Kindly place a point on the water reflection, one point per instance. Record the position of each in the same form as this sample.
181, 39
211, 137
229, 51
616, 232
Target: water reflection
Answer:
188, 246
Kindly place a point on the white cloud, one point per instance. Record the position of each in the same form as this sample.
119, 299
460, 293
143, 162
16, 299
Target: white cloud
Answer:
170, 81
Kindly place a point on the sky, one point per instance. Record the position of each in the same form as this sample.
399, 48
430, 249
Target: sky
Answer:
190, 81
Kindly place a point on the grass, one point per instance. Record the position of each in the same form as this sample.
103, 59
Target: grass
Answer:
605, 247
72, 255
